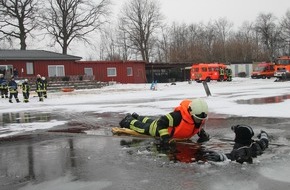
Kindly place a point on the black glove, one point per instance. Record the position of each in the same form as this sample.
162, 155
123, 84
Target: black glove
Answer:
135, 115
214, 156
165, 144
203, 136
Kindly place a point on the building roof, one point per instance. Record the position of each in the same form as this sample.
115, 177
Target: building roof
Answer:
34, 55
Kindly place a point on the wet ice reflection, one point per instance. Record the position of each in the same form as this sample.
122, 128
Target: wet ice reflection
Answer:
70, 161
267, 100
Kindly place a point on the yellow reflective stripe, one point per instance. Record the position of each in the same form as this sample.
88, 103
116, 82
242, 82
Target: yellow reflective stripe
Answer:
163, 132
170, 120
145, 119
136, 128
152, 128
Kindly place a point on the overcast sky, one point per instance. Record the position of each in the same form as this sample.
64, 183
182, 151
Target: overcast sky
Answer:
236, 11
193, 12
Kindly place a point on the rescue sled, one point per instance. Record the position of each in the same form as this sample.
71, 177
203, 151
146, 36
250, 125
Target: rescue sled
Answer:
128, 132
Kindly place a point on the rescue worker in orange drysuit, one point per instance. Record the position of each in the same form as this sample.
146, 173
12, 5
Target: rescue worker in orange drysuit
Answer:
185, 121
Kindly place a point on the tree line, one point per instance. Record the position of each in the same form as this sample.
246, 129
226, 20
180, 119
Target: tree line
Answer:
141, 33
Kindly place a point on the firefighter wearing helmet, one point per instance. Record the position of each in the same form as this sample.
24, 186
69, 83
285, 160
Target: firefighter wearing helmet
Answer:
44, 83
3, 86
25, 90
39, 87
184, 122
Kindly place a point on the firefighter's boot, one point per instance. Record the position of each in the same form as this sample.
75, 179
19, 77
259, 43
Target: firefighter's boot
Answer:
125, 123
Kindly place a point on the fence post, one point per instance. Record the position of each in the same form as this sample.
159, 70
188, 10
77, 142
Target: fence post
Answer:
206, 88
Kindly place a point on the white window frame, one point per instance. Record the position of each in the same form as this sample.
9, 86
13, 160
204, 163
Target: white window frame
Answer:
88, 71
129, 71
29, 68
57, 72
111, 72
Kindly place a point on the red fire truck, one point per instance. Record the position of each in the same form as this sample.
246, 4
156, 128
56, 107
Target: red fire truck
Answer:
263, 70
210, 71
282, 68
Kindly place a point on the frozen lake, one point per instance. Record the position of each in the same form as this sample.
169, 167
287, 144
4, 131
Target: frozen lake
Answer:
66, 142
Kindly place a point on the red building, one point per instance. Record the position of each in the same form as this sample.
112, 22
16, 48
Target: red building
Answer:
119, 71
29, 63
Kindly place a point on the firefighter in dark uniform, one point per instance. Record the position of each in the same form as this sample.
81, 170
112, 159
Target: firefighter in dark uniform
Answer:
222, 73
13, 90
39, 87
245, 148
44, 81
3, 86
25, 90
229, 74
184, 122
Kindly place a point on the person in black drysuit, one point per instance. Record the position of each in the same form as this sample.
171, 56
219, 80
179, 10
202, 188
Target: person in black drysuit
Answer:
245, 148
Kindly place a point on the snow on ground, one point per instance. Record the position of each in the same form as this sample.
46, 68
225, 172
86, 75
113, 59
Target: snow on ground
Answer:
128, 98
139, 98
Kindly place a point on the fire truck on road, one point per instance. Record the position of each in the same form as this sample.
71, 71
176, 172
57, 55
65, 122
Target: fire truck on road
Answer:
210, 71
282, 68
263, 70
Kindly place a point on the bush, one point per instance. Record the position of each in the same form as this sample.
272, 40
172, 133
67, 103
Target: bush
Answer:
242, 74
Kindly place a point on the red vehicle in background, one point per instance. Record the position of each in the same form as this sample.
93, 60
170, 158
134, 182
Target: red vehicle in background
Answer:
210, 71
282, 68
263, 70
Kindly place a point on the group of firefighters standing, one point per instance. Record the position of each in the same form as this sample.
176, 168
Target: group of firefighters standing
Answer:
225, 74
11, 87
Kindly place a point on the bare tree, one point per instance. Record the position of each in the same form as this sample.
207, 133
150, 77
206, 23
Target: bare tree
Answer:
223, 29
123, 44
243, 45
72, 20
208, 36
179, 42
140, 19
269, 33
18, 19
110, 45
285, 26
163, 46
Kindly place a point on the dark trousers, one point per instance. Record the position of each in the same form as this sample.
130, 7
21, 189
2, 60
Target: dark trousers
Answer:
4, 93
26, 96
40, 95
15, 95
145, 125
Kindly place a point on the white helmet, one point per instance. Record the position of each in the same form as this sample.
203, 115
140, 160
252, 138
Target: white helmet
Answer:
198, 109
42, 78
25, 80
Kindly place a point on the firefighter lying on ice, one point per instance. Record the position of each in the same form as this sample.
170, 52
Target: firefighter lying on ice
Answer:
184, 122
245, 148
